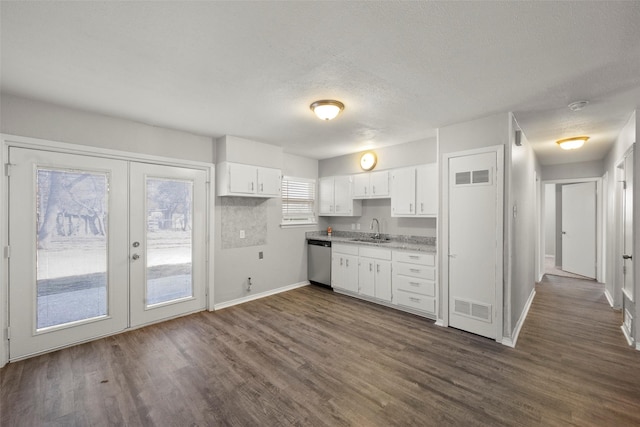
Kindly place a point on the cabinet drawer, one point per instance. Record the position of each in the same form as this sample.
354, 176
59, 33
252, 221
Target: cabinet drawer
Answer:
420, 258
345, 249
377, 253
416, 301
414, 270
411, 284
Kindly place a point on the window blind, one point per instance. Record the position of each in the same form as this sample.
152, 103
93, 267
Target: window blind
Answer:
298, 200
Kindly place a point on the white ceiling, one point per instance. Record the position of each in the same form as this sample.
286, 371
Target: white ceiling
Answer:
402, 69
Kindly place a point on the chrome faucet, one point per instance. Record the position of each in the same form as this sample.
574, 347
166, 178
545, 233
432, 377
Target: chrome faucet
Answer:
377, 234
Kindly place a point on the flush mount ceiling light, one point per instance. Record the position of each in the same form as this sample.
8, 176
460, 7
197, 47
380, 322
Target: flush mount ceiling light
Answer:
578, 105
368, 161
572, 143
327, 109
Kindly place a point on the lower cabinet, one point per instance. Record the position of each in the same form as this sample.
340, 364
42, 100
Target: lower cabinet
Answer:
414, 281
344, 267
374, 273
406, 280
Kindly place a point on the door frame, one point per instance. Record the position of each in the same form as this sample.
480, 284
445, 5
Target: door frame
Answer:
600, 215
444, 234
9, 140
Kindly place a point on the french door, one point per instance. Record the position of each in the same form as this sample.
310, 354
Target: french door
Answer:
100, 245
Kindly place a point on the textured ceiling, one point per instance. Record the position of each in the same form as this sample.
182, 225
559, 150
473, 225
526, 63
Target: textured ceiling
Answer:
402, 69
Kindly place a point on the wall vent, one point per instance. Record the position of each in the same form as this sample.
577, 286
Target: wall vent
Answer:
463, 178
472, 309
480, 177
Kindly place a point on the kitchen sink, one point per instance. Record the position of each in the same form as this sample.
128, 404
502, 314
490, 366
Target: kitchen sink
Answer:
371, 240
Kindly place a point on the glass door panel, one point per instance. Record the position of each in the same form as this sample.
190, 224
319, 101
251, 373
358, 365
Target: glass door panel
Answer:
68, 263
169, 240
167, 229
72, 246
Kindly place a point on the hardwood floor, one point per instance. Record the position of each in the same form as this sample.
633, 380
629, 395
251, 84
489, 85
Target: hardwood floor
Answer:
310, 357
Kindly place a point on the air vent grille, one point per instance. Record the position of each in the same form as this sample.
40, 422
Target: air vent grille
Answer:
463, 178
472, 309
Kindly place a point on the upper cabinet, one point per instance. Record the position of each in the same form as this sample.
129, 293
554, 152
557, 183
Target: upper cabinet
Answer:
235, 179
336, 197
414, 191
371, 185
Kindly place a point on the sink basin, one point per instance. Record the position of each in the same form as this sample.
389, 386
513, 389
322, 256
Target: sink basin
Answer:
371, 240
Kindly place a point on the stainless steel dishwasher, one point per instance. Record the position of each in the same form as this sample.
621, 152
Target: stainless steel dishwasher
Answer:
319, 262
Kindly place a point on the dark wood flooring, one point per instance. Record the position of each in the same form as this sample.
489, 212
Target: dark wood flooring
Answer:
310, 357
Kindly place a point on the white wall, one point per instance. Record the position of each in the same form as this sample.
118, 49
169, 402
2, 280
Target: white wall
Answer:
285, 251
573, 170
522, 227
408, 154
26, 117
550, 219
623, 142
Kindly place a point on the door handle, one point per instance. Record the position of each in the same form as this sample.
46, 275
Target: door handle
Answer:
564, 232
135, 257
627, 256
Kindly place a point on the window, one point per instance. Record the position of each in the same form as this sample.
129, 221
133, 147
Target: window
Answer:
298, 201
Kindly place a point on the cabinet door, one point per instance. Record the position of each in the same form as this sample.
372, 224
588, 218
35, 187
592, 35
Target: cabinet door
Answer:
379, 184
268, 181
337, 272
350, 273
383, 280
326, 195
403, 192
361, 185
342, 195
427, 190
366, 276
242, 179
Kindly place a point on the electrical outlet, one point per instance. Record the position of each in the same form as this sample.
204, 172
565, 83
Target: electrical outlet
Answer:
242, 234
260, 255
358, 226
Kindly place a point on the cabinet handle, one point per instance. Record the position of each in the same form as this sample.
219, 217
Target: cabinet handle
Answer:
340, 261
378, 268
347, 261
414, 283
414, 270
374, 189
414, 299
410, 207
261, 188
252, 186
365, 191
414, 256
370, 267
421, 207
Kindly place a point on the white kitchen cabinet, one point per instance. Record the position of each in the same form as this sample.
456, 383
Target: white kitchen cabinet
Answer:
336, 197
403, 192
414, 281
371, 185
374, 273
414, 191
235, 179
427, 190
344, 267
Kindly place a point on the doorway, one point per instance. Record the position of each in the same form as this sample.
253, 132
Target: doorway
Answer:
572, 219
99, 245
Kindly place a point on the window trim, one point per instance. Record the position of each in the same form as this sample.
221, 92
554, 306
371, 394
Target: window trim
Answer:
304, 222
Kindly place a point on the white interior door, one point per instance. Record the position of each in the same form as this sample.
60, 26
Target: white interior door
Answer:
167, 242
579, 229
68, 249
473, 247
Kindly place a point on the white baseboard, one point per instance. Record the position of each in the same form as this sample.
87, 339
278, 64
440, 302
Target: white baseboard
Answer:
260, 295
609, 298
511, 341
628, 337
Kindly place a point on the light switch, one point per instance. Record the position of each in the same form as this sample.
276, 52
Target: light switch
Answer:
242, 235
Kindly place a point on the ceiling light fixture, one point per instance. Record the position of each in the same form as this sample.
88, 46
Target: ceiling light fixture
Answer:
578, 105
368, 161
572, 143
327, 109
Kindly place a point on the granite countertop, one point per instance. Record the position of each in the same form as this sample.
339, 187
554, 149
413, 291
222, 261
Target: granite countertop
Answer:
410, 243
